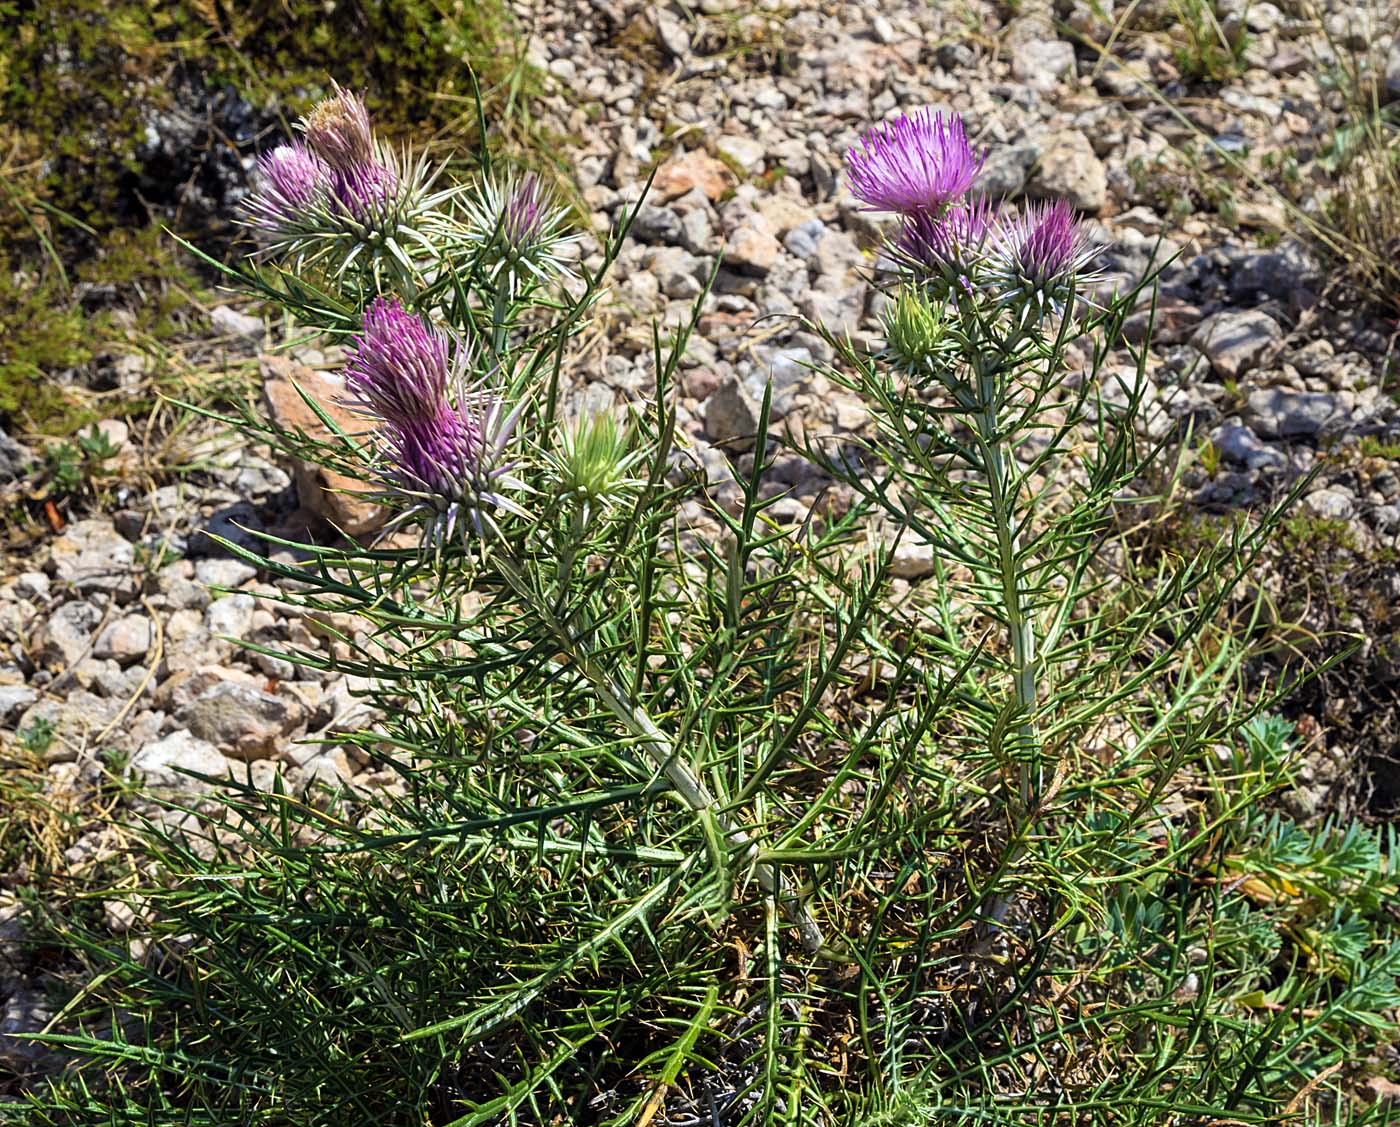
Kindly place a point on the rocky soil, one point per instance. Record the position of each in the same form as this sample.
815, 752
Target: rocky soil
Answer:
122, 633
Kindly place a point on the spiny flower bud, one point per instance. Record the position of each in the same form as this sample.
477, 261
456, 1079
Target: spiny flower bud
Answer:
337, 129
919, 162
1046, 244
913, 330
516, 230
595, 461
1041, 253
950, 244
366, 190
526, 210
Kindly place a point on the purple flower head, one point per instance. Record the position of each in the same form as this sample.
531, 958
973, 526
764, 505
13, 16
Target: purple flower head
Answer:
338, 130
445, 444
525, 217
455, 455
1045, 246
366, 190
400, 366
453, 463
295, 182
919, 162
950, 243
517, 231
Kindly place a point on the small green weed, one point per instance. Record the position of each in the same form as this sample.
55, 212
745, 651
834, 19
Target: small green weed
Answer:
1213, 45
78, 464
36, 739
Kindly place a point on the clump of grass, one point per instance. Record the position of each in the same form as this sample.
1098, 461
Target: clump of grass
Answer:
1358, 225
1208, 45
45, 336
131, 293
1363, 209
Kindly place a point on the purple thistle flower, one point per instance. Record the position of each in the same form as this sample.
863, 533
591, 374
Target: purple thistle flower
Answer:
338, 130
525, 216
295, 182
445, 444
400, 366
434, 454
453, 463
1045, 245
918, 162
516, 231
367, 189
950, 243
454, 455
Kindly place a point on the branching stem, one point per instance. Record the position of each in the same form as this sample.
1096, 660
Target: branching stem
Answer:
664, 756
1001, 484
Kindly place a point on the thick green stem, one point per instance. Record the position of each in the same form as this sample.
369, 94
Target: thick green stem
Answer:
1000, 468
500, 321
663, 755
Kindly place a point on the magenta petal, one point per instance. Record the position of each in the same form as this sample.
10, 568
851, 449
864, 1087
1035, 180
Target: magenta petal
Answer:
918, 162
294, 181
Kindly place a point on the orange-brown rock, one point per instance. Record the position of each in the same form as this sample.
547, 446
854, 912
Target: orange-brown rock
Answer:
340, 499
687, 171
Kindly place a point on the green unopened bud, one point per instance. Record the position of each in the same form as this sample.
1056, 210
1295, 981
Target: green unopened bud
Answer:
596, 460
913, 329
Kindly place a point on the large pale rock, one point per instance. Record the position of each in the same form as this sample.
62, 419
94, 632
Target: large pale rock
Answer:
224, 571
1240, 444
15, 699
125, 640
92, 556
240, 326
241, 721
731, 415
838, 308
1070, 171
746, 152
342, 500
1039, 58
1236, 342
1007, 166
1277, 413
160, 764
789, 370
188, 685
75, 722
230, 616
66, 635
753, 248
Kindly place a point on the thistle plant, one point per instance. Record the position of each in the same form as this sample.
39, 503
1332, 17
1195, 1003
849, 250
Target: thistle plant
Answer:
999, 448
683, 815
